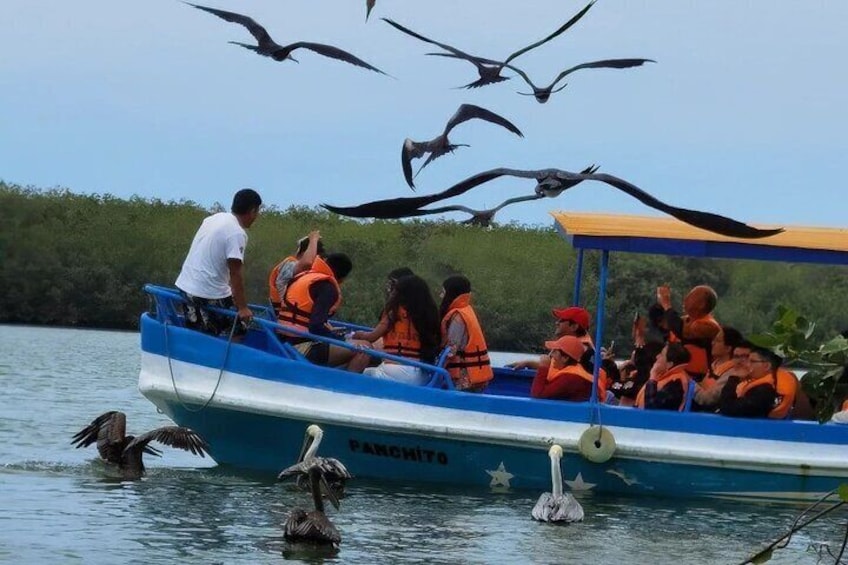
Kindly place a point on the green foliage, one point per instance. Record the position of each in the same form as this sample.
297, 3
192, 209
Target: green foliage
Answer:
81, 260
824, 382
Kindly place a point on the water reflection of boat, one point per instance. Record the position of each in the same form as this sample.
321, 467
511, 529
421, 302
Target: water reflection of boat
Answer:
265, 395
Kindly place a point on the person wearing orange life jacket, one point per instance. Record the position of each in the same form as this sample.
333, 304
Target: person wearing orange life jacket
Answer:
696, 329
669, 381
560, 375
573, 321
785, 387
310, 299
308, 248
413, 331
468, 364
723, 366
751, 396
375, 335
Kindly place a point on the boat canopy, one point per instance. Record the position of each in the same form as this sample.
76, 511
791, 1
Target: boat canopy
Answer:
669, 236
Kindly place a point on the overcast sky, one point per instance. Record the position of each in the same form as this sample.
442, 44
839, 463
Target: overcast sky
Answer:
743, 114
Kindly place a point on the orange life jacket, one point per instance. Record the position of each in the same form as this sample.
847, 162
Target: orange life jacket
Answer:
475, 356
678, 373
844, 406
273, 294
297, 303
716, 371
578, 371
699, 350
402, 338
786, 388
744, 386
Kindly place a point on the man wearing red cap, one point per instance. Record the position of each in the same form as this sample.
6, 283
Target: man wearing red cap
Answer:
571, 321
560, 375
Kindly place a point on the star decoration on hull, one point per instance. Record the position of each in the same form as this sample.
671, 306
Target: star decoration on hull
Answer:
500, 477
578, 484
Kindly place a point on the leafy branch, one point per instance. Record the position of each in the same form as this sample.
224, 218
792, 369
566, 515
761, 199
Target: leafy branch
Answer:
824, 382
842, 497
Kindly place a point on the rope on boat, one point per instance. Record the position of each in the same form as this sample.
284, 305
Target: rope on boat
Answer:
220, 372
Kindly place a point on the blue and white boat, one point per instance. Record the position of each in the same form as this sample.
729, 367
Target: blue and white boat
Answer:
253, 400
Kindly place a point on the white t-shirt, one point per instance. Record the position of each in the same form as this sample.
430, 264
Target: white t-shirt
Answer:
205, 273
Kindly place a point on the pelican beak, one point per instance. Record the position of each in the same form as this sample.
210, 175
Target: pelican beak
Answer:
307, 441
331, 496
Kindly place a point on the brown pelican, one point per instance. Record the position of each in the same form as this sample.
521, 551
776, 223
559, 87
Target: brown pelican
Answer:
334, 472
543, 94
489, 70
440, 145
551, 183
108, 431
556, 506
314, 527
267, 47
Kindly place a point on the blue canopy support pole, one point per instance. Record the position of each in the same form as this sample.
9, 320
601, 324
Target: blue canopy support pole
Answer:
578, 278
599, 323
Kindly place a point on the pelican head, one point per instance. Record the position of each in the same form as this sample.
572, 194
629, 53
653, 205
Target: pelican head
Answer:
555, 452
311, 441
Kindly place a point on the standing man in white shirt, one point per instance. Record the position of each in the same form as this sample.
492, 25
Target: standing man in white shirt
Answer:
213, 271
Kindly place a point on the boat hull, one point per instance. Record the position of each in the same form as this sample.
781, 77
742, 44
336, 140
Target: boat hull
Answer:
262, 404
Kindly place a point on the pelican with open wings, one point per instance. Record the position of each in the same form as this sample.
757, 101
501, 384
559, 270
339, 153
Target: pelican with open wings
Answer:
551, 183
108, 431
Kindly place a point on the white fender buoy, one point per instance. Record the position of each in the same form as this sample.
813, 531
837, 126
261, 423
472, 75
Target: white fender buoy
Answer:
597, 444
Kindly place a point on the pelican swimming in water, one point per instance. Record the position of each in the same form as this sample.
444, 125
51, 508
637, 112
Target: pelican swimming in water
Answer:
109, 432
334, 472
556, 506
313, 528
488, 69
267, 47
551, 183
440, 145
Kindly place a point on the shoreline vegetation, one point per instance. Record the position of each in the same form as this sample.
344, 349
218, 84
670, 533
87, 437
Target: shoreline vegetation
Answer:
75, 260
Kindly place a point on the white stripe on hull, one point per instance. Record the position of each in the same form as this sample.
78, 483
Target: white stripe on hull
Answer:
273, 398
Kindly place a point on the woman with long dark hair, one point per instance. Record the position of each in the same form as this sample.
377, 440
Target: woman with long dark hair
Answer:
409, 328
469, 364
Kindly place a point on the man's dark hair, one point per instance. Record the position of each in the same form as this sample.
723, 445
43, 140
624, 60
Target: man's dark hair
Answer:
732, 337
340, 264
677, 354
304, 243
396, 274
245, 201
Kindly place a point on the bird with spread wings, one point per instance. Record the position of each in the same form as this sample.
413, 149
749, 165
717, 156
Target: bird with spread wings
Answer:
551, 183
267, 47
488, 69
440, 145
109, 429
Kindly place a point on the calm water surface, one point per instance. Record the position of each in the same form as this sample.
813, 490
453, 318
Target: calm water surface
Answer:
60, 505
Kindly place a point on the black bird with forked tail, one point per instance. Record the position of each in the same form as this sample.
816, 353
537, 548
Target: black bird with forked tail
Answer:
490, 70
267, 47
440, 145
551, 183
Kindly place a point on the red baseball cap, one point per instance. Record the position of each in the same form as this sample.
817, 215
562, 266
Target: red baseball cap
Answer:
569, 345
579, 316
